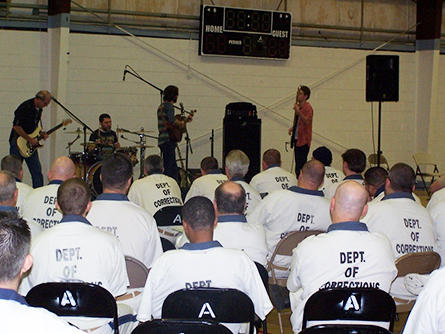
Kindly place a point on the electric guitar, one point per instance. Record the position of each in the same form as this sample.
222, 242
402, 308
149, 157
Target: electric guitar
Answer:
178, 127
25, 147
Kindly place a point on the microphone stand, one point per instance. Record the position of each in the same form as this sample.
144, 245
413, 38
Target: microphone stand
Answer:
84, 126
212, 142
161, 91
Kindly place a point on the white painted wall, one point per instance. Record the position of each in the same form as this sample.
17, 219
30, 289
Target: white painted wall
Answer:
95, 85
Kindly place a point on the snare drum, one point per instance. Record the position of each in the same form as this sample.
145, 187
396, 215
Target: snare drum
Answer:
93, 178
76, 157
130, 152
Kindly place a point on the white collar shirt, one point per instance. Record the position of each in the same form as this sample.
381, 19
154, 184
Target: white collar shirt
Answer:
75, 251
347, 256
202, 265
205, 185
23, 191
40, 205
438, 196
408, 227
273, 178
19, 317
332, 178
154, 192
437, 212
428, 314
253, 197
134, 227
285, 211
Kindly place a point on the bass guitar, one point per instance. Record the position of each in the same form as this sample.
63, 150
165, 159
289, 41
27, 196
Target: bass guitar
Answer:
25, 147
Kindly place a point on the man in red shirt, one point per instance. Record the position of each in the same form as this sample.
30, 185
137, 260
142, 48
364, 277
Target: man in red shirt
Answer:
301, 131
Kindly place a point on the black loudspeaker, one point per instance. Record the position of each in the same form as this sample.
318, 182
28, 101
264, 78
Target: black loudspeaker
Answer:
382, 78
244, 134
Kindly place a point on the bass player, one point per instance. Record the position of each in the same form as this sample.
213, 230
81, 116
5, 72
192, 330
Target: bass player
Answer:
168, 125
26, 119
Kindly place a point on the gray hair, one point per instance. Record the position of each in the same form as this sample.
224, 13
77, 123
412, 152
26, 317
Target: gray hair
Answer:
7, 186
237, 163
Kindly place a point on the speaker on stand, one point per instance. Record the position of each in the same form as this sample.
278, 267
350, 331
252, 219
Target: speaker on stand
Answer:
382, 84
242, 131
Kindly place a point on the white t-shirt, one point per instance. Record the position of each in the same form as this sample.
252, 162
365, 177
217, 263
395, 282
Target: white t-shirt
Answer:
438, 196
154, 192
18, 317
40, 205
75, 251
202, 265
273, 178
253, 197
428, 314
23, 191
332, 178
408, 227
132, 225
348, 256
330, 191
437, 212
285, 211
205, 186
380, 196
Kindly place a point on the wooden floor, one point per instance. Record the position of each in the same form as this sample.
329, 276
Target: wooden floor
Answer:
273, 326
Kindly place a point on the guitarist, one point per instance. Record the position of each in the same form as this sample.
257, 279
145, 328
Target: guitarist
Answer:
166, 118
26, 119
301, 131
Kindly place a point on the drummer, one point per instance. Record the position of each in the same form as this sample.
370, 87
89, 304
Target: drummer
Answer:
104, 135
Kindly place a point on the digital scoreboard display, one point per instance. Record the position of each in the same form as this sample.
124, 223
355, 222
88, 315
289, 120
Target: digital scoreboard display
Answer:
242, 32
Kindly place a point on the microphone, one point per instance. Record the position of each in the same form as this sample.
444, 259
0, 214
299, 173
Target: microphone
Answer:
125, 72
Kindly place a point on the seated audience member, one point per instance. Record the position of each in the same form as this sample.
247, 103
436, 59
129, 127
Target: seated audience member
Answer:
437, 197
300, 208
206, 184
76, 251
375, 178
406, 223
273, 177
203, 260
8, 200
15, 261
437, 213
233, 229
354, 164
13, 165
332, 176
155, 190
428, 314
114, 213
237, 166
40, 205
347, 256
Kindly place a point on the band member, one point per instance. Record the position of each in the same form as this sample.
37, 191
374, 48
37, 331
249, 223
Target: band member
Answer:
104, 135
26, 119
166, 118
301, 131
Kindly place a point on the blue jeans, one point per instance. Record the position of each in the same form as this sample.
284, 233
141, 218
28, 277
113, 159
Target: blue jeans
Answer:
169, 159
33, 164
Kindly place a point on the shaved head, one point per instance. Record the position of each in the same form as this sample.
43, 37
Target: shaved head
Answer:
312, 175
62, 169
349, 202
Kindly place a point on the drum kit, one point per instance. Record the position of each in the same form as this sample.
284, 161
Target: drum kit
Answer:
89, 162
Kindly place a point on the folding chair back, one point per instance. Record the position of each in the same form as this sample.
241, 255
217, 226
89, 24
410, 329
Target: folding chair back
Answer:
426, 166
419, 263
137, 272
285, 247
345, 329
75, 299
373, 160
367, 305
222, 305
169, 216
173, 326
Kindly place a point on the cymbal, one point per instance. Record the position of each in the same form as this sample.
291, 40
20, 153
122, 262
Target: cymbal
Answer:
140, 146
134, 131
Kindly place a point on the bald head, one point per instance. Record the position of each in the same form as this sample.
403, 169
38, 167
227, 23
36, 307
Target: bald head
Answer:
62, 169
230, 197
312, 175
349, 202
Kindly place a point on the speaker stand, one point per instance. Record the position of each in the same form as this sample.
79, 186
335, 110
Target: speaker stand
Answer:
379, 133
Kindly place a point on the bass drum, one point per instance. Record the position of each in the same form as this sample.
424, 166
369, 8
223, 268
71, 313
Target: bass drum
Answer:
93, 178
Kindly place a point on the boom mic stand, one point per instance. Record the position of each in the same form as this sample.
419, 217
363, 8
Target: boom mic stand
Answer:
84, 126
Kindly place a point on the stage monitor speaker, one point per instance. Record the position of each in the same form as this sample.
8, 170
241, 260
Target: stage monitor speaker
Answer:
382, 78
244, 135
